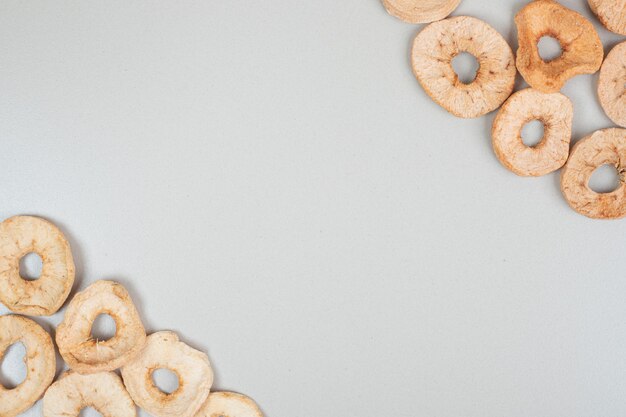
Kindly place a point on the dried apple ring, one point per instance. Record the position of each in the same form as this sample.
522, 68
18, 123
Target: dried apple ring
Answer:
612, 14
554, 110
163, 350
40, 361
431, 58
612, 85
420, 11
19, 236
229, 404
607, 146
86, 355
582, 51
103, 391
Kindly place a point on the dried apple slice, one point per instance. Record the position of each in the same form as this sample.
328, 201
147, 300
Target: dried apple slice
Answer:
607, 146
164, 350
40, 363
229, 404
555, 111
86, 355
431, 58
420, 11
19, 236
582, 51
103, 391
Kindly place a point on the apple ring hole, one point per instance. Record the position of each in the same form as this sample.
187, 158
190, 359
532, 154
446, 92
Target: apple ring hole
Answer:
533, 133
103, 327
31, 266
165, 380
466, 66
13, 366
604, 179
549, 48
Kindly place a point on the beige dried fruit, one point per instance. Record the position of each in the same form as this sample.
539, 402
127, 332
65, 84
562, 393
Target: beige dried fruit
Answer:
420, 11
607, 146
582, 51
554, 110
163, 350
40, 361
86, 355
612, 85
103, 391
431, 58
19, 236
612, 14
229, 404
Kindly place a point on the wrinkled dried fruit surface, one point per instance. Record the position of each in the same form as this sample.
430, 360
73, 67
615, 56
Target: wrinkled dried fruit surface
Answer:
420, 11
612, 14
554, 110
229, 404
40, 363
163, 350
86, 355
606, 146
431, 58
580, 43
19, 236
103, 391
612, 85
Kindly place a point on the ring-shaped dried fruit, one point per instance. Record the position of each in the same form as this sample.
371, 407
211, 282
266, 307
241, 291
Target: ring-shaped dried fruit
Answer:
612, 14
554, 110
86, 355
229, 404
103, 391
40, 361
163, 350
420, 11
431, 58
19, 236
612, 85
607, 146
582, 51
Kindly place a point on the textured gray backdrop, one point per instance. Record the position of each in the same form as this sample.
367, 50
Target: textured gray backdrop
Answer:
269, 180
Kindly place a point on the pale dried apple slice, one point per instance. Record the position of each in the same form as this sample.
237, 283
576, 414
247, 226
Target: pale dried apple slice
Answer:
607, 146
555, 111
612, 85
40, 361
103, 391
19, 236
420, 11
431, 58
612, 14
229, 404
164, 350
86, 355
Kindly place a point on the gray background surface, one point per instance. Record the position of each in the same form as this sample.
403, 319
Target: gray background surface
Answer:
269, 180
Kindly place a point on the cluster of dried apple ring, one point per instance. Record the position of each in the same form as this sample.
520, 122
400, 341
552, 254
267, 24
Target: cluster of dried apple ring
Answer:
91, 380
440, 42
